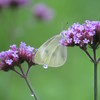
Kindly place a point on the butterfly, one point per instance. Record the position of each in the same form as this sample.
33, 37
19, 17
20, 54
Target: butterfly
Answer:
51, 53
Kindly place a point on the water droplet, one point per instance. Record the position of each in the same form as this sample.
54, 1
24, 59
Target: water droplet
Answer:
32, 95
45, 66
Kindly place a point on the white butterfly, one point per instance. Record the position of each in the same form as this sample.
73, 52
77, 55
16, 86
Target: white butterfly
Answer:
51, 53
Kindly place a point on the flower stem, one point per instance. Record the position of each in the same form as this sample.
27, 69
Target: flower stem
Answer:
95, 77
95, 61
98, 60
17, 72
28, 83
32, 91
28, 70
88, 55
95, 83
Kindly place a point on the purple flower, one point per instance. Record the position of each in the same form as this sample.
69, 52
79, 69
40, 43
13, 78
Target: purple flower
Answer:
26, 52
63, 42
16, 3
4, 3
81, 35
93, 25
15, 56
9, 62
43, 12
14, 47
13, 3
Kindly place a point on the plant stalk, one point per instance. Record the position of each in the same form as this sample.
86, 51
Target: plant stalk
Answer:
95, 83
95, 62
30, 87
95, 76
28, 83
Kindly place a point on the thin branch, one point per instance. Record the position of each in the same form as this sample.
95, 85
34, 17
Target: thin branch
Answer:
28, 83
31, 89
88, 55
21, 70
17, 72
97, 46
98, 60
28, 70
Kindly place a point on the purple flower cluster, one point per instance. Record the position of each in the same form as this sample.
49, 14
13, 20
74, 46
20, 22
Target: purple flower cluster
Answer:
15, 3
12, 3
81, 35
15, 56
43, 12
4, 3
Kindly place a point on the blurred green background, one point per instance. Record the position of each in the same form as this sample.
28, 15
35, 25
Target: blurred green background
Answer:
72, 81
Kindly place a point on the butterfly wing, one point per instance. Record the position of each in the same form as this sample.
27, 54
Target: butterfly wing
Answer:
51, 53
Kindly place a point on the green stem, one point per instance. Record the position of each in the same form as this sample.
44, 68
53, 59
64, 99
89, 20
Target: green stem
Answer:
17, 72
95, 61
95, 83
28, 83
95, 77
98, 60
32, 91
88, 55
28, 69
